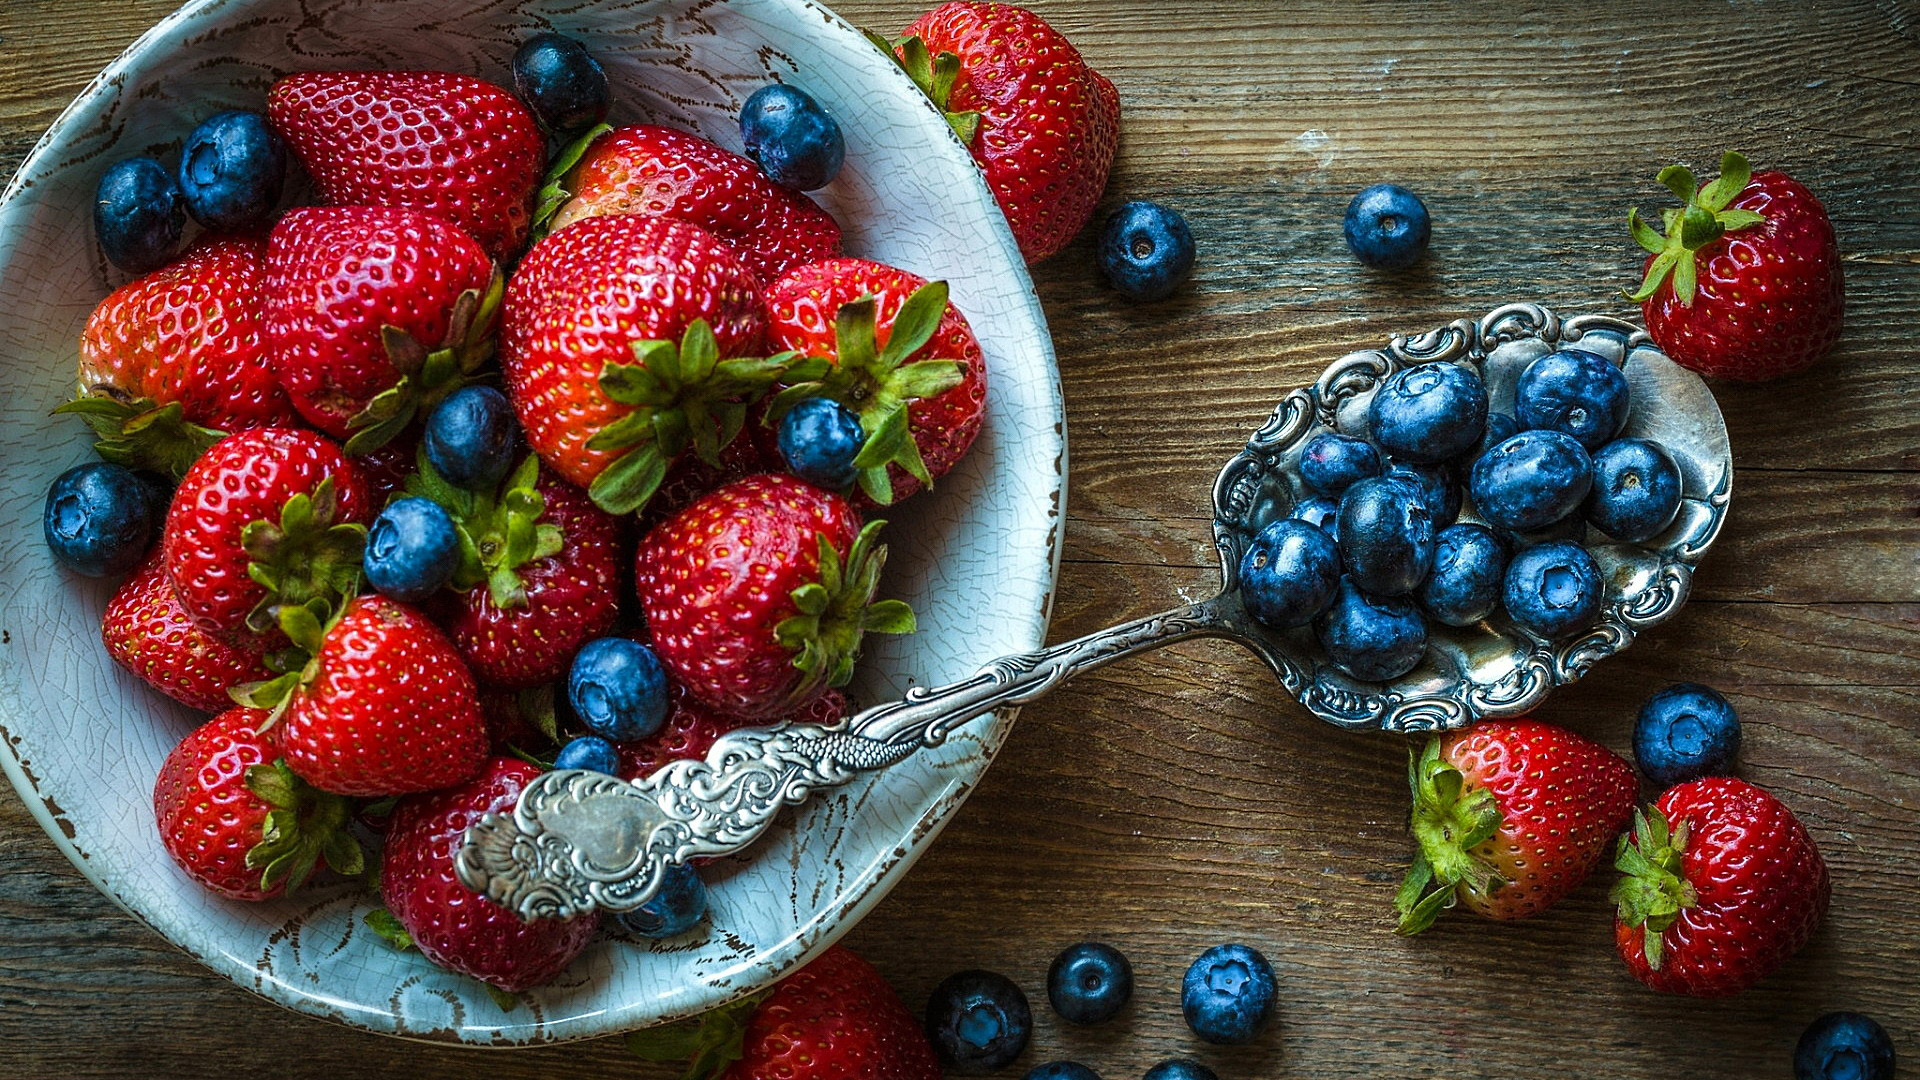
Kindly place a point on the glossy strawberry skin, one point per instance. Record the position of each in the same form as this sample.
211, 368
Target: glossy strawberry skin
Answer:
336, 276
647, 169
1762, 890
834, 1019
800, 315
147, 632
208, 818
691, 728
391, 710
451, 145
453, 926
1771, 297
716, 578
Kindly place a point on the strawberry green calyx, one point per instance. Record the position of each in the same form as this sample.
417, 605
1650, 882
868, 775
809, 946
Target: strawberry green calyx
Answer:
1448, 822
683, 396
305, 558
935, 75
555, 191
708, 1043
500, 532
427, 375
305, 828
141, 433
387, 925
1704, 219
306, 626
837, 610
1654, 890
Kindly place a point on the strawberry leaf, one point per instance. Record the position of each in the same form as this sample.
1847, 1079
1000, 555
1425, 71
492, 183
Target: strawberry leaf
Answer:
555, 187
625, 486
1702, 220
387, 925
305, 828
1735, 174
833, 613
142, 434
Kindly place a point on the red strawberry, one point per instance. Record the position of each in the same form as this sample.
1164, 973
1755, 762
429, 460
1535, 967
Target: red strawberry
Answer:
147, 632
269, 503
238, 822
1723, 885
385, 469
903, 355
451, 145
453, 926
646, 169
1511, 816
754, 450
168, 356
1042, 124
1747, 282
691, 728
756, 595
373, 313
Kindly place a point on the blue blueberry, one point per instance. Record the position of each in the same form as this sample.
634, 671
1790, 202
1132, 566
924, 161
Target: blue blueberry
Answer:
1436, 485
820, 438
1228, 994
1387, 227
1574, 391
100, 519
1429, 413
232, 169
1374, 638
1146, 250
796, 141
471, 436
138, 214
590, 752
1331, 463
978, 1021
1089, 983
1636, 490
619, 689
677, 908
1386, 536
1553, 589
1843, 1046
1062, 1070
1180, 1069
1320, 512
1469, 567
1500, 427
1685, 732
1289, 574
412, 550
1531, 481
561, 82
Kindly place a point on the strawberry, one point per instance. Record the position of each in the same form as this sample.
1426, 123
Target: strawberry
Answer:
757, 594
237, 821
1747, 283
895, 353
448, 144
374, 313
754, 450
1511, 816
834, 1019
450, 924
265, 517
1042, 124
691, 728
647, 169
1722, 885
171, 361
147, 632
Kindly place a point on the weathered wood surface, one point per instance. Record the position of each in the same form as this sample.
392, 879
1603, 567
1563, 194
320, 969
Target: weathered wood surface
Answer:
1180, 800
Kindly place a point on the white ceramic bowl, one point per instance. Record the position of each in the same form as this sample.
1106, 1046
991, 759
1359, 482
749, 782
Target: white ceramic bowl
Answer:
82, 741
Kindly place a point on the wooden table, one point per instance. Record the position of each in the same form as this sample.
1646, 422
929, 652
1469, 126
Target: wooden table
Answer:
1181, 800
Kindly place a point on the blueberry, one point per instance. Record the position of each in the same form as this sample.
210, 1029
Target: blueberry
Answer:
100, 519
796, 141
1062, 1070
1289, 574
562, 84
1320, 512
1531, 481
412, 550
677, 908
1386, 536
618, 688
1553, 589
1180, 1069
589, 752
1684, 732
470, 437
1228, 994
1636, 490
1574, 391
138, 214
1436, 485
1469, 565
1387, 227
1330, 463
1089, 983
1374, 638
978, 1021
1843, 1046
1146, 250
231, 171
1429, 413
820, 438
1500, 428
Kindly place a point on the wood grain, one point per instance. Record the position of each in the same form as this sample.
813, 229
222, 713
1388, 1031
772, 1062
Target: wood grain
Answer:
1181, 799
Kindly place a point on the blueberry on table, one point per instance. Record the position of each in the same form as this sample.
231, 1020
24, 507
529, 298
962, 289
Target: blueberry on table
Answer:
1429, 413
1437, 486
1386, 536
1372, 638
1180, 1069
978, 1021
232, 170
1469, 567
1685, 732
100, 518
590, 752
1636, 490
1843, 1046
1089, 983
1573, 391
1146, 250
1061, 1070
677, 908
797, 143
138, 214
561, 82
412, 550
1289, 574
1387, 227
1553, 589
1531, 481
470, 437
1331, 463
1228, 994
1320, 512
618, 688
819, 438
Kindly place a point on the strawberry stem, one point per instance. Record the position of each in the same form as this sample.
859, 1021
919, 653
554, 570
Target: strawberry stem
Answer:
500, 531
1449, 820
1704, 219
141, 433
305, 828
1655, 889
838, 610
708, 1043
935, 74
427, 376
303, 559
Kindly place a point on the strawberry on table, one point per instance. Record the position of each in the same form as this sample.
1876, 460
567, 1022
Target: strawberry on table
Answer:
147, 632
692, 727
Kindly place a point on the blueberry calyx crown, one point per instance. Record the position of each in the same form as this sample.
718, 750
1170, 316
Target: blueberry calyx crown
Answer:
934, 74
304, 828
1654, 890
140, 433
838, 609
1449, 821
1704, 219
708, 1043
